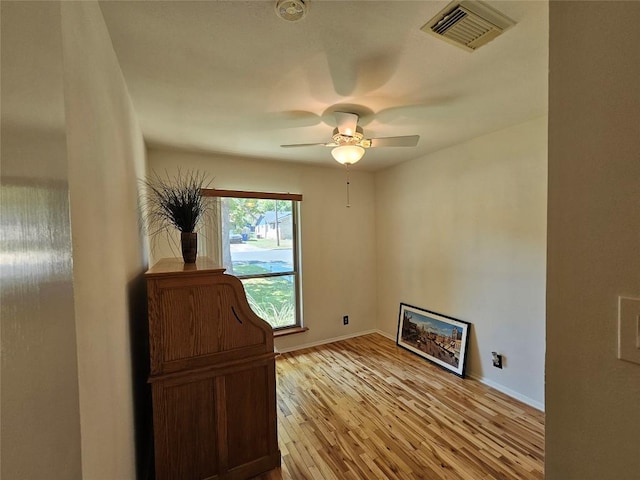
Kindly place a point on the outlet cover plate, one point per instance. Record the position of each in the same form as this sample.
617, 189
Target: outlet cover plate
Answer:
629, 329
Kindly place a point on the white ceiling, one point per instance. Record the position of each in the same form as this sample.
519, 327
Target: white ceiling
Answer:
231, 77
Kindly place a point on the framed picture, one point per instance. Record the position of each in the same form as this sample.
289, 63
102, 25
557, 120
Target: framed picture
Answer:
440, 339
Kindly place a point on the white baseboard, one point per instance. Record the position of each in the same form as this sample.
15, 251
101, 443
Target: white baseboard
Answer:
489, 383
507, 391
325, 341
385, 334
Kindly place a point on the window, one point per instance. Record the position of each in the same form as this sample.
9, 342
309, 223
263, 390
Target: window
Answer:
257, 241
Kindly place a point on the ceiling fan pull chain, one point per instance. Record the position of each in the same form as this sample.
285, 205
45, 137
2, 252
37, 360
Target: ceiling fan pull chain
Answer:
348, 202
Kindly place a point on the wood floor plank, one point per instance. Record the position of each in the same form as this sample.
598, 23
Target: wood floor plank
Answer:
363, 408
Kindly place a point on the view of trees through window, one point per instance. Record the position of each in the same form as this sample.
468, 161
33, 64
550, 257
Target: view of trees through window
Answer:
259, 247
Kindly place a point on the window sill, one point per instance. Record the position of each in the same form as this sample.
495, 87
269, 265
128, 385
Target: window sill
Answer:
289, 331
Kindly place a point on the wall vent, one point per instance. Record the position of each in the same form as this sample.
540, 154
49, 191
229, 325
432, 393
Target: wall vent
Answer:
468, 24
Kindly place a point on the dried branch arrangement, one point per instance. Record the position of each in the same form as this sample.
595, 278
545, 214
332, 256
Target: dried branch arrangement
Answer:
175, 202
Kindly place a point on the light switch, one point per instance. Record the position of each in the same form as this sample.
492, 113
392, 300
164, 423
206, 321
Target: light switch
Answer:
629, 329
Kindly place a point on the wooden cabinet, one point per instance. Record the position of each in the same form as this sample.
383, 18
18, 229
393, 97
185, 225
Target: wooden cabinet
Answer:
212, 375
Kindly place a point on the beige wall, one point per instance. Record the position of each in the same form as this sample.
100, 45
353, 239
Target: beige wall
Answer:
40, 418
106, 158
442, 226
462, 232
593, 399
338, 246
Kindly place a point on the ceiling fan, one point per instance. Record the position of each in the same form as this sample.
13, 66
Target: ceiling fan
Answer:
349, 143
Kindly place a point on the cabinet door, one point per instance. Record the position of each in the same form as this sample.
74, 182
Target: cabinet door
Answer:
185, 424
250, 410
247, 412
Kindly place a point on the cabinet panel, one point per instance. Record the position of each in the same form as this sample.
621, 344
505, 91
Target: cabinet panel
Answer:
247, 391
187, 322
186, 424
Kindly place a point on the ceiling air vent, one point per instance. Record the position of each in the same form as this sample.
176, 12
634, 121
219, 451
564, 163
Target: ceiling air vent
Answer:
468, 24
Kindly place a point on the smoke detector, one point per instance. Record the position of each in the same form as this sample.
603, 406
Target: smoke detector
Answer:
468, 24
291, 10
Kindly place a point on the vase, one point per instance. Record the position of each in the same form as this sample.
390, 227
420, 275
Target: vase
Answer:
189, 241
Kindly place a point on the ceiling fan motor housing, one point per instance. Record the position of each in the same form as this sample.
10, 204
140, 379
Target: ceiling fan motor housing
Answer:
342, 139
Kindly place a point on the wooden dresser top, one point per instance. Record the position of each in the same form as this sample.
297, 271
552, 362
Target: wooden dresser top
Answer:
172, 266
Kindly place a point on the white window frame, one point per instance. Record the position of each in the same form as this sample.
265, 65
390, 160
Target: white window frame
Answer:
215, 234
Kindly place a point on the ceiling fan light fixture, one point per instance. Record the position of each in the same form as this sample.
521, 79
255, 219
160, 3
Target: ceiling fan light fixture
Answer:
347, 154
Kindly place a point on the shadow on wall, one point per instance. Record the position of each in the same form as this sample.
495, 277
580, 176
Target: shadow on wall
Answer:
142, 406
474, 357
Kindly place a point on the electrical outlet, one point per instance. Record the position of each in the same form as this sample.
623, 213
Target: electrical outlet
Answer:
345, 320
497, 359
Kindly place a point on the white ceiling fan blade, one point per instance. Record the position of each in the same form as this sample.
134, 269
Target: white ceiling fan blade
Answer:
282, 119
310, 145
346, 123
404, 141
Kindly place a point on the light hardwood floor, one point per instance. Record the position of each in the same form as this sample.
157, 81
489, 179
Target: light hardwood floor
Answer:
364, 408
